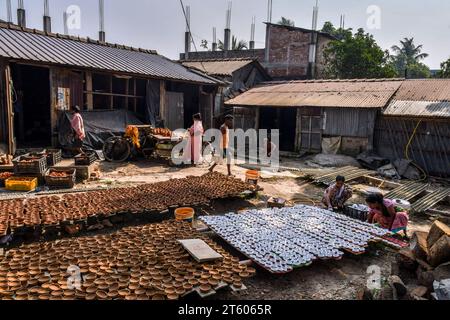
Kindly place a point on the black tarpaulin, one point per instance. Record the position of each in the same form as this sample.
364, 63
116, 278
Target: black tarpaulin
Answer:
99, 126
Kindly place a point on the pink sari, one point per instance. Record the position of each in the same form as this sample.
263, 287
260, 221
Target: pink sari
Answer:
193, 152
399, 221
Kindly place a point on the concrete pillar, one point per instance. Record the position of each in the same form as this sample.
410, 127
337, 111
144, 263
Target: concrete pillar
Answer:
21, 18
227, 40
47, 24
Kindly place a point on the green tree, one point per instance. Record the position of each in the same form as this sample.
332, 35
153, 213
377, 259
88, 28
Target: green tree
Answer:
357, 56
445, 69
407, 59
340, 33
286, 22
235, 44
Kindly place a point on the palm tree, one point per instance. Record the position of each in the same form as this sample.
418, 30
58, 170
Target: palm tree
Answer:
409, 50
286, 22
235, 44
407, 59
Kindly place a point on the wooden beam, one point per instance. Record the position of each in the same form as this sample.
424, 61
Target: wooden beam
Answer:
113, 95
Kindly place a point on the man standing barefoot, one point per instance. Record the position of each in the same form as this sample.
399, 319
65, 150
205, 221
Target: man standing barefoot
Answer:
225, 143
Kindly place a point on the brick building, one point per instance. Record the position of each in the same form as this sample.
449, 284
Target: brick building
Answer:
286, 55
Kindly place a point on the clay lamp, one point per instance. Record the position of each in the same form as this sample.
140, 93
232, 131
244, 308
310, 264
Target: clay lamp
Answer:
133, 286
131, 297
91, 290
159, 297
102, 295
103, 287
205, 288
113, 294
169, 291
140, 291
69, 294
203, 281
124, 293
237, 284
214, 283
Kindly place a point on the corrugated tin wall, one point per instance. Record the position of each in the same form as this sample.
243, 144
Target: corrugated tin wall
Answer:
430, 147
349, 122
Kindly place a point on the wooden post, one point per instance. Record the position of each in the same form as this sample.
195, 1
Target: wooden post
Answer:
257, 117
162, 100
89, 89
9, 112
298, 131
134, 93
111, 91
127, 92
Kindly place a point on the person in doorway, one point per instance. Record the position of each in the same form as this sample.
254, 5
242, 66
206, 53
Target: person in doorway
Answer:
384, 213
271, 147
337, 195
195, 141
225, 143
77, 124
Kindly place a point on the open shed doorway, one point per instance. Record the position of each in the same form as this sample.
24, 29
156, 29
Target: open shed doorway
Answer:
284, 119
31, 98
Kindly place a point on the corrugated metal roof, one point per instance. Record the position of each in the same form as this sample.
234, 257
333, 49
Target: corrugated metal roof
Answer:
361, 93
422, 109
424, 90
225, 67
35, 46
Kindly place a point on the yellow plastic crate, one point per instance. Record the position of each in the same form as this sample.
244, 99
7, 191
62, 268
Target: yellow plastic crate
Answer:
21, 184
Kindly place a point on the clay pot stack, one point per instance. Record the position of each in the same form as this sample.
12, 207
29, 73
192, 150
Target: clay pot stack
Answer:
49, 211
137, 263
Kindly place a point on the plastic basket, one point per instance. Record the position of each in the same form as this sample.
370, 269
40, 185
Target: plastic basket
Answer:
54, 156
21, 184
356, 213
85, 159
67, 182
35, 165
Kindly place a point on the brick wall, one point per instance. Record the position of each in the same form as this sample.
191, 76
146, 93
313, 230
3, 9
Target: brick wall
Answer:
288, 53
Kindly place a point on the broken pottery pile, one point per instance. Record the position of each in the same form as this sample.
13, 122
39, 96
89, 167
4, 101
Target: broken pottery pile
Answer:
283, 239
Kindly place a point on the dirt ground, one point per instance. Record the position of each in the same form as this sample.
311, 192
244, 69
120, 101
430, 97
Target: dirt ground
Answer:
327, 280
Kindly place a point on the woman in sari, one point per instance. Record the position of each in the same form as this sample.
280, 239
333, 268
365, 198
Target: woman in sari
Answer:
384, 213
193, 154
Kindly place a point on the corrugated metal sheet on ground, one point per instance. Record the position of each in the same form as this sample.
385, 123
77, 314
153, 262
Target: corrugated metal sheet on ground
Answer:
218, 67
431, 200
61, 50
424, 90
351, 93
421, 109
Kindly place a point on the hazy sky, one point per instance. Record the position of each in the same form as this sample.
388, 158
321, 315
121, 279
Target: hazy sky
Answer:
159, 24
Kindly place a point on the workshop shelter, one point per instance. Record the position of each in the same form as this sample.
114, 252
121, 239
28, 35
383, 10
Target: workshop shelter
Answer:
416, 126
330, 116
238, 75
43, 75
